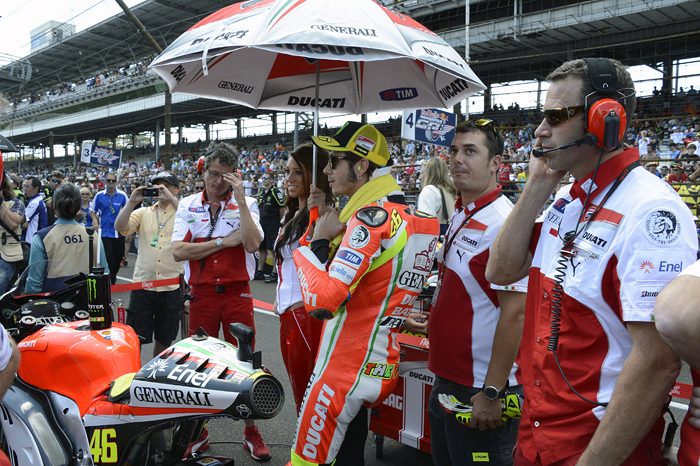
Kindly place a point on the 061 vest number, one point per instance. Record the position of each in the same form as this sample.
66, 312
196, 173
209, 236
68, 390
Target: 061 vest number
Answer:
103, 451
73, 239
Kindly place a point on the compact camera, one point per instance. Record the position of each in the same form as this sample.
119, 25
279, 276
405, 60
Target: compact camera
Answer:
150, 192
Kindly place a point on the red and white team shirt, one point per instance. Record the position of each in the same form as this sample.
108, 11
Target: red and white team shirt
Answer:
641, 238
192, 224
689, 452
465, 310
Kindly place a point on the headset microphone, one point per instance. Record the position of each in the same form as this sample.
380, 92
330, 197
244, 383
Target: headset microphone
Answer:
589, 139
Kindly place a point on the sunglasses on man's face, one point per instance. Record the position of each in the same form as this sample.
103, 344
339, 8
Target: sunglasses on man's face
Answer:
333, 160
110, 181
199, 188
556, 116
55, 181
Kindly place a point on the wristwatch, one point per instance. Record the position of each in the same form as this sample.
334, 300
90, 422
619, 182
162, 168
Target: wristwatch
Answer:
219, 242
491, 393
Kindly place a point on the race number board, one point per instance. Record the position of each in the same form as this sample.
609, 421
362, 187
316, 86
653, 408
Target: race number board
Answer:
429, 125
98, 155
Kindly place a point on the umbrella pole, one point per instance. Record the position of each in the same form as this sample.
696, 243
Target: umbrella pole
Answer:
313, 214
318, 84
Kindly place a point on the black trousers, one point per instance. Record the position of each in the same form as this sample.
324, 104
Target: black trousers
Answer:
114, 252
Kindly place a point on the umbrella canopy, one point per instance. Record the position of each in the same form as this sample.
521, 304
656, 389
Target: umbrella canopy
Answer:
264, 54
6, 145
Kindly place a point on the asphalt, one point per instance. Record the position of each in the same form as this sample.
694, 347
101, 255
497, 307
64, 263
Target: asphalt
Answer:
226, 434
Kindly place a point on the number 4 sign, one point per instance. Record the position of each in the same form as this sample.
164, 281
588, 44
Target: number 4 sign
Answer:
430, 125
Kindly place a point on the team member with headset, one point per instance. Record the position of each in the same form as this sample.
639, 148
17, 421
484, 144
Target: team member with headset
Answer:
596, 372
216, 233
65, 244
300, 333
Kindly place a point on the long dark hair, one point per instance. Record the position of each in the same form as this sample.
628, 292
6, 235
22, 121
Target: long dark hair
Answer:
295, 225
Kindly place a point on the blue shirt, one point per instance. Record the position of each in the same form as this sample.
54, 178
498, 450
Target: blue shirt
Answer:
108, 207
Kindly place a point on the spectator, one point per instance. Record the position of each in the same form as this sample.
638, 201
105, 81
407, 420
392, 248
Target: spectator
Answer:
365, 326
219, 257
673, 151
652, 167
87, 215
438, 192
643, 143
677, 175
156, 309
198, 185
271, 205
65, 244
300, 333
481, 372
603, 343
107, 204
11, 219
36, 209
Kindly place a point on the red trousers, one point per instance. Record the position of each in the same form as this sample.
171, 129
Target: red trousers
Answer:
647, 453
210, 310
300, 335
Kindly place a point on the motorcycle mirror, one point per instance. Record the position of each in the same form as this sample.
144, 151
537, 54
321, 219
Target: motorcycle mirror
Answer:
244, 336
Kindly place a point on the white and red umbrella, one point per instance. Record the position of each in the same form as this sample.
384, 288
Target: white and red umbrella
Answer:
278, 54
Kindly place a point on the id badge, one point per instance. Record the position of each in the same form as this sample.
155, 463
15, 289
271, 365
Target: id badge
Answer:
154, 242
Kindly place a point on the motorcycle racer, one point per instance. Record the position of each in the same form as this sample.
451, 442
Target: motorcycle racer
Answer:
364, 284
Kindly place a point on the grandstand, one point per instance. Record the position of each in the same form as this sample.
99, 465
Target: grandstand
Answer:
94, 85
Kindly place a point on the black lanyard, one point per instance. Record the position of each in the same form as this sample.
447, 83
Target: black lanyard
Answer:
570, 238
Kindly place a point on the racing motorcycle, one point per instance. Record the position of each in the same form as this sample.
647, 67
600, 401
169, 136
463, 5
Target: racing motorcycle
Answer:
81, 397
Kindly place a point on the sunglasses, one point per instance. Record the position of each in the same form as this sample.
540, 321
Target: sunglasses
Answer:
110, 181
266, 178
333, 160
55, 181
483, 122
199, 188
556, 116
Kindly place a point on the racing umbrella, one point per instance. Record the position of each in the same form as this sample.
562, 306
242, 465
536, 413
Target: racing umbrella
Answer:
358, 57
6, 145
335, 56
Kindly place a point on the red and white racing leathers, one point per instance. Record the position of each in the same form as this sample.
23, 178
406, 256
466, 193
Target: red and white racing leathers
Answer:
641, 239
689, 452
221, 289
370, 286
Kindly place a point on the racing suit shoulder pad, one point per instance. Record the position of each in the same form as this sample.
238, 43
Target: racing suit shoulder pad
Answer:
372, 216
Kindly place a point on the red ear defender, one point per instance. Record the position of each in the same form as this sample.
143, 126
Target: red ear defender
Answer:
200, 165
607, 119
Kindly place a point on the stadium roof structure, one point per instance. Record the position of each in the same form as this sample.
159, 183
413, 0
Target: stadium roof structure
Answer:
503, 46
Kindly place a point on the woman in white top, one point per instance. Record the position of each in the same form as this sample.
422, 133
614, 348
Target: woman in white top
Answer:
439, 192
300, 333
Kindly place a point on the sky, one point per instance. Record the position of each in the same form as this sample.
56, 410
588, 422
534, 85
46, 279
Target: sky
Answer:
19, 17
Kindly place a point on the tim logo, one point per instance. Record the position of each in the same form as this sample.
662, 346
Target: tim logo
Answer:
647, 266
402, 93
559, 205
349, 257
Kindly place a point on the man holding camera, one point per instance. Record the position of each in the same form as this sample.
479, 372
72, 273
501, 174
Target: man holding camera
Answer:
155, 310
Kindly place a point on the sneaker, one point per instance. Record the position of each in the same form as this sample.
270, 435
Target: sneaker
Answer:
272, 278
259, 275
200, 445
124, 263
254, 443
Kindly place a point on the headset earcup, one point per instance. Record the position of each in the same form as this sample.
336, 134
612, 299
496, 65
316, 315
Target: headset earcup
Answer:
200, 164
607, 119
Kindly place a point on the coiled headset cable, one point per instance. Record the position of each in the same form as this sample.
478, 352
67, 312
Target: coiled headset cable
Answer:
565, 254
